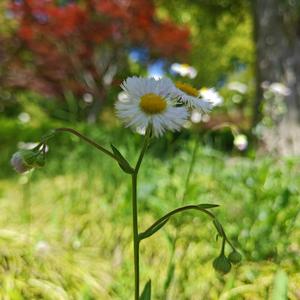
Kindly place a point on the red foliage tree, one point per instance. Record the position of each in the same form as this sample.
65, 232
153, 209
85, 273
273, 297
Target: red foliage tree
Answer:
82, 45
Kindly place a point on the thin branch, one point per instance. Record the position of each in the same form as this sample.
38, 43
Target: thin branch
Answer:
144, 148
73, 131
178, 210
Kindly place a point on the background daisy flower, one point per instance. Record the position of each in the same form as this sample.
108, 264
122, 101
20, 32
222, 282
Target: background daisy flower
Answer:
212, 96
191, 97
150, 102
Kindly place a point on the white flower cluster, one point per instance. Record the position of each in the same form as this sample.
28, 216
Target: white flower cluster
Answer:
184, 70
160, 104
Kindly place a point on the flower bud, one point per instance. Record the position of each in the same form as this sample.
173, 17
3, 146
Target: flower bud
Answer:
19, 162
25, 159
222, 264
40, 160
235, 257
241, 142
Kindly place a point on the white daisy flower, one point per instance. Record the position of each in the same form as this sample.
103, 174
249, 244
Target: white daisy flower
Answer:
279, 88
184, 70
191, 97
150, 102
212, 96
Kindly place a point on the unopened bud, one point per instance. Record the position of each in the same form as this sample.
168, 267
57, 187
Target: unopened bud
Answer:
235, 257
241, 142
222, 264
19, 161
40, 160
25, 159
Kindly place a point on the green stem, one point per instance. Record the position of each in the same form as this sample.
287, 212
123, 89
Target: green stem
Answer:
177, 210
186, 185
223, 246
78, 134
143, 151
136, 241
190, 170
135, 238
73, 131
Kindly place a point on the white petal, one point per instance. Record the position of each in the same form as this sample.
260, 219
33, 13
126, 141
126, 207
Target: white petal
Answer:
131, 114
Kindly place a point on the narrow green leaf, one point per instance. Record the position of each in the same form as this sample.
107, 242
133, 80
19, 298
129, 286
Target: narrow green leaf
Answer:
219, 227
280, 287
151, 231
146, 294
170, 276
123, 163
207, 205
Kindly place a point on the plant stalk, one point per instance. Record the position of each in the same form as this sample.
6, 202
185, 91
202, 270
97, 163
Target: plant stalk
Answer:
135, 238
78, 134
170, 271
136, 241
87, 140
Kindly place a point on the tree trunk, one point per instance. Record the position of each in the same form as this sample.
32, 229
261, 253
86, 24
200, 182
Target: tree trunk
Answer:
277, 39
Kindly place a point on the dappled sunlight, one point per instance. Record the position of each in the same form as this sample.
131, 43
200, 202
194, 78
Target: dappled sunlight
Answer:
149, 150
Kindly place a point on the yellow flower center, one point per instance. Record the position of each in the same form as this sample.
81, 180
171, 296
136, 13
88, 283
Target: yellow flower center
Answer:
187, 88
152, 104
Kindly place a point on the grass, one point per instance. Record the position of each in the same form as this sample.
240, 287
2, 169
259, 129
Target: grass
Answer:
66, 229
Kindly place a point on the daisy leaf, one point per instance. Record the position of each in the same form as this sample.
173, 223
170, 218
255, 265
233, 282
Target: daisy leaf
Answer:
207, 205
123, 163
150, 231
219, 227
146, 294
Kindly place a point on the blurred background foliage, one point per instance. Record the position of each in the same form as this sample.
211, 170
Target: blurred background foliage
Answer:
221, 36
65, 229
54, 52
